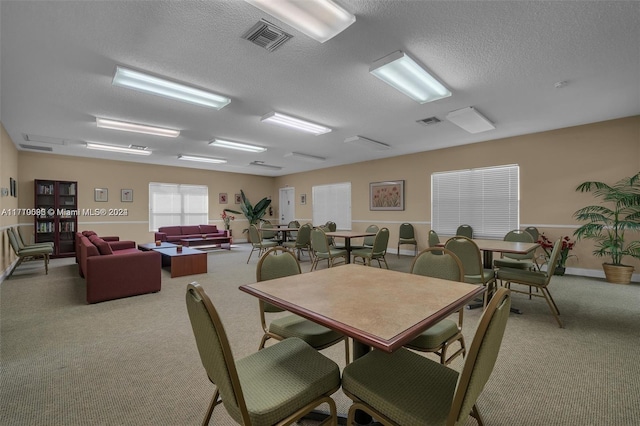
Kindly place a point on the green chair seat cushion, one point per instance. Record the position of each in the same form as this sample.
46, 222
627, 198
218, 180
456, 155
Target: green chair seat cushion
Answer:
366, 252
293, 244
395, 384
408, 241
334, 253
266, 243
283, 378
518, 275
33, 251
512, 263
435, 335
314, 334
489, 275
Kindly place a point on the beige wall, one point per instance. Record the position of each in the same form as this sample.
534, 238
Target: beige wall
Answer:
551, 164
8, 169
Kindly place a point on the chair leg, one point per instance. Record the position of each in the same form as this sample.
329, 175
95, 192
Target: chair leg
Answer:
46, 264
263, 341
20, 259
476, 415
346, 350
212, 405
552, 306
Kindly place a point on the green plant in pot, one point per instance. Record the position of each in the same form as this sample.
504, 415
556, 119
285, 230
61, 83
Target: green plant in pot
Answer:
606, 224
253, 213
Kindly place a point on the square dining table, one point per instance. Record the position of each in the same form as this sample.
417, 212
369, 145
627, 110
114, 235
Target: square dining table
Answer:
348, 235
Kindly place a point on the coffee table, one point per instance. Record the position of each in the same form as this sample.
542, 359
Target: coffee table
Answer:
210, 241
186, 262
151, 246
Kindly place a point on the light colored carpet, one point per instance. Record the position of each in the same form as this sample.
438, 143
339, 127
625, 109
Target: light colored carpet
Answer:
133, 361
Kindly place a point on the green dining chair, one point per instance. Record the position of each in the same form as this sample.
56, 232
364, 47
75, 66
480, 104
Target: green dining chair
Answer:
275, 386
474, 272
302, 242
464, 231
513, 260
407, 236
377, 252
257, 243
323, 251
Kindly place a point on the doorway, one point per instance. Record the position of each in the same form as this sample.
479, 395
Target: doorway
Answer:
287, 204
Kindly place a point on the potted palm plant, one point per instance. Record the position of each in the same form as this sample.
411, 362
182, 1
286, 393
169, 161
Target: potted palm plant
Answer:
253, 213
607, 222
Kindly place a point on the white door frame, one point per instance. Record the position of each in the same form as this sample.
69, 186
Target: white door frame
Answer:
287, 210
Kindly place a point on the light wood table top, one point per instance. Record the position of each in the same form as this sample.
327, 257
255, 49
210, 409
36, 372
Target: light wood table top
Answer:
377, 307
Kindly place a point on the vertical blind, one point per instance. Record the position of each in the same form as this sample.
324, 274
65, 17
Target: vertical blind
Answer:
332, 202
488, 199
177, 204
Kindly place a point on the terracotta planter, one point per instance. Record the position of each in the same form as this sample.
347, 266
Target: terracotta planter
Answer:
617, 274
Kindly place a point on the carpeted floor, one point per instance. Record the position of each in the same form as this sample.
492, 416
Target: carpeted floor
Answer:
133, 361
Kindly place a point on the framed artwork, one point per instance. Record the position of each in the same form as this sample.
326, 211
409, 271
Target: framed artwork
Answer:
13, 187
222, 198
387, 195
303, 198
126, 195
101, 194
238, 199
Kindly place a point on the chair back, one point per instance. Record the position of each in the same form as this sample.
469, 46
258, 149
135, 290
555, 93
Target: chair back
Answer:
16, 233
533, 231
215, 351
406, 231
304, 236
277, 262
254, 235
267, 232
319, 243
520, 236
464, 231
468, 252
481, 357
368, 241
331, 226
381, 243
293, 224
553, 259
438, 262
13, 241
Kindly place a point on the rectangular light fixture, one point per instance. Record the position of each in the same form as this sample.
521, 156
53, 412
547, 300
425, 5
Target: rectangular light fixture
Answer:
237, 145
106, 123
470, 119
404, 74
147, 83
306, 157
366, 142
115, 148
294, 123
319, 19
201, 159
264, 165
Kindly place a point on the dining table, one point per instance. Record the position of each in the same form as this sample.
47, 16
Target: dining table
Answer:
348, 235
377, 308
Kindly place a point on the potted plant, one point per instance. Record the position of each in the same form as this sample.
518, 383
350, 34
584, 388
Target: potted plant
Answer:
607, 223
253, 214
547, 246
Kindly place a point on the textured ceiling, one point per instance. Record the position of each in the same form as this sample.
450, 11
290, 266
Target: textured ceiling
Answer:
502, 57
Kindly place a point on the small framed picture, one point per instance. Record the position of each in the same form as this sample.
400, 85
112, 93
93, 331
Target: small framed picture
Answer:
388, 195
222, 198
238, 199
101, 194
126, 195
12, 187
303, 198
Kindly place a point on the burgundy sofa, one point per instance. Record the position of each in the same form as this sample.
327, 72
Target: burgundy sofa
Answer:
116, 269
173, 234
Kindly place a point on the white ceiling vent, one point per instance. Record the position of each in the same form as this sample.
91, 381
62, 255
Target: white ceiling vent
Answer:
429, 121
44, 139
267, 35
36, 147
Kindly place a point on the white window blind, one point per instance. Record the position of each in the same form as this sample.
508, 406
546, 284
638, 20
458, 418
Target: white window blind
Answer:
488, 199
332, 202
176, 204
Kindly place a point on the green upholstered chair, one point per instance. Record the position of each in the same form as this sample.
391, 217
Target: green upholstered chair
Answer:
292, 235
28, 253
323, 251
474, 272
278, 262
538, 259
277, 385
267, 231
533, 231
434, 239
257, 243
377, 252
23, 244
439, 338
407, 236
367, 241
464, 231
536, 279
302, 242
513, 260
405, 388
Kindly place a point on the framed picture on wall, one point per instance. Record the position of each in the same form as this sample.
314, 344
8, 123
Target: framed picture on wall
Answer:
222, 198
101, 194
238, 199
303, 198
126, 195
388, 195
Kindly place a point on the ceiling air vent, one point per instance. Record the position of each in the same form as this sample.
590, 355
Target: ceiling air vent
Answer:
139, 147
36, 147
429, 121
267, 35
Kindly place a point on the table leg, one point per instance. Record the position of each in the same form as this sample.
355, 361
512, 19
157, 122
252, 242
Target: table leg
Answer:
347, 247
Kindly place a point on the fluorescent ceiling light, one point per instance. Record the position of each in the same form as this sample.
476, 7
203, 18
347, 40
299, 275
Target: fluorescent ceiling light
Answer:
306, 157
294, 123
201, 159
142, 82
470, 119
404, 74
266, 166
369, 143
106, 123
121, 149
319, 19
236, 145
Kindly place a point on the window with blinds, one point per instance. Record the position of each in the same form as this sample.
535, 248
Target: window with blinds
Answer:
488, 199
332, 202
176, 204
